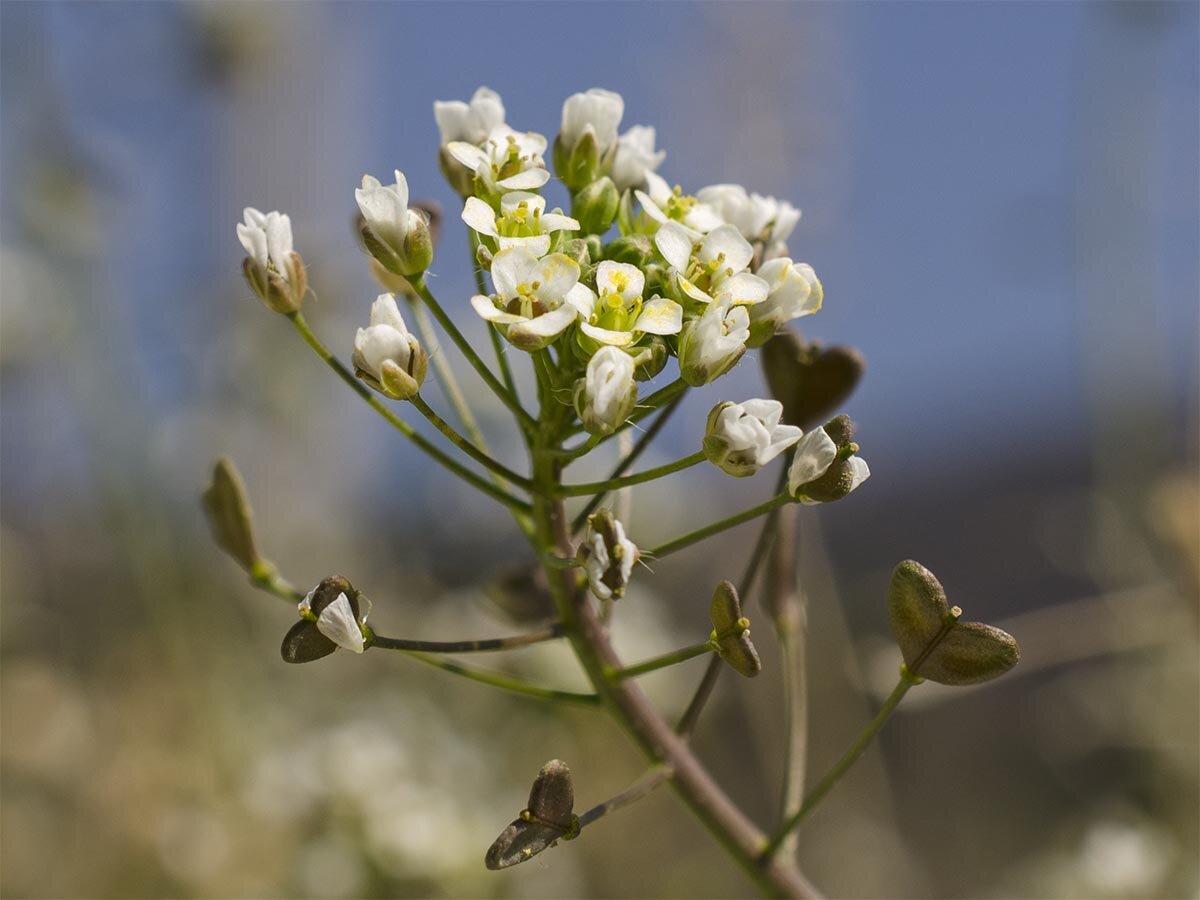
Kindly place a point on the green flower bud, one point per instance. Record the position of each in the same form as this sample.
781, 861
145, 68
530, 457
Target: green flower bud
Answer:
634, 249
595, 206
579, 165
577, 249
650, 357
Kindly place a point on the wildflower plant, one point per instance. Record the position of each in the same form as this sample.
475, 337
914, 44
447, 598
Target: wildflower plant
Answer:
598, 303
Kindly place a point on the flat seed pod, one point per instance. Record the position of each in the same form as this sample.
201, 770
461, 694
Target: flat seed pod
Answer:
971, 653
917, 608
548, 819
227, 508
934, 643
809, 381
304, 643
732, 631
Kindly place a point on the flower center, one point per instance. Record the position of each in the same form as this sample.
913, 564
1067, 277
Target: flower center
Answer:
526, 303
520, 222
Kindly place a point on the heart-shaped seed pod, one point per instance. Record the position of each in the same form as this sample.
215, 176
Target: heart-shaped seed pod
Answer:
731, 631
547, 819
934, 643
810, 381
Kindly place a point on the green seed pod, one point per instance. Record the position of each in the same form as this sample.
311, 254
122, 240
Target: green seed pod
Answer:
934, 643
731, 631
547, 819
227, 509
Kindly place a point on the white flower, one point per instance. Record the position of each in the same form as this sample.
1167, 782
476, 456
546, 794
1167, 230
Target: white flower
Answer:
607, 393
662, 204
741, 438
793, 290
523, 221
267, 238
713, 266
607, 556
401, 240
273, 269
710, 344
508, 160
757, 217
635, 157
619, 317
473, 122
597, 111
534, 298
338, 622
386, 355
817, 458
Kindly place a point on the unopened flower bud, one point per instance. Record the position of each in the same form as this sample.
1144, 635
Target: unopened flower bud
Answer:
650, 357
587, 141
386, 355
634, 249
595, 206
712, 343
466, 122
607, 393
334, 614
741, 438
398, 237
826, 467
273, 270
607, 556
577, 249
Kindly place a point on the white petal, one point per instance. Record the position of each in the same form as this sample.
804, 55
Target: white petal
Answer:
815, 453
537, 244
744, 289
337, 623
487, 310
479, 216
452, 120
660, 316
606, 336
675, 245
652, 209
547, 326
529, 180
729, 241
385, 312
513, 199
468, 154
254, 240
582, 298
860, 471
511, 267
559, 222
558, 273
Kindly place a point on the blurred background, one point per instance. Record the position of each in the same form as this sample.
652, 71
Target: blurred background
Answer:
1001, 200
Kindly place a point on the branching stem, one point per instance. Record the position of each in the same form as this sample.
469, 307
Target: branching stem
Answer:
700, 534
615, 484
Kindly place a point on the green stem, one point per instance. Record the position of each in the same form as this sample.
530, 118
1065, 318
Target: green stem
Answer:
464, 346
477, 646
834, 775
614, 484
467, 447
667, 659
652, 778
630, 458
399, 424
700, 534
496, 679
265, 578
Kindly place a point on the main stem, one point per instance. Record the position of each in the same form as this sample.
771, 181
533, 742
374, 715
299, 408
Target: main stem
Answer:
629, 705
